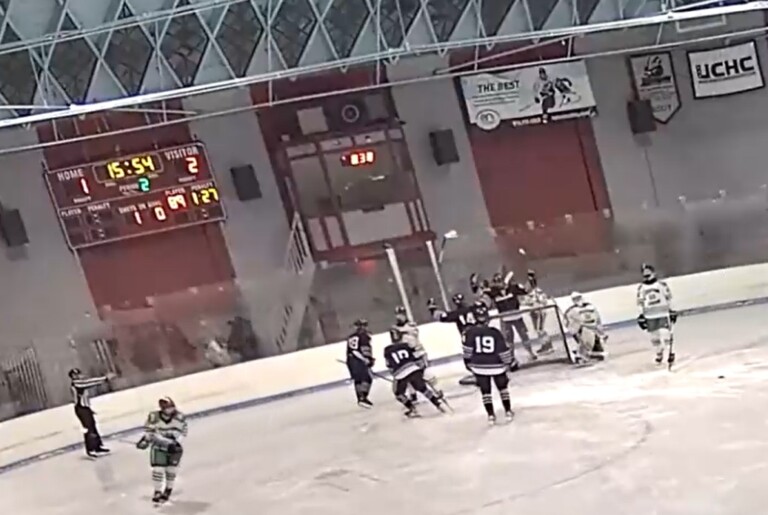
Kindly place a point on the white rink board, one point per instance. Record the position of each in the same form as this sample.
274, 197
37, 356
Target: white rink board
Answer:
49, 430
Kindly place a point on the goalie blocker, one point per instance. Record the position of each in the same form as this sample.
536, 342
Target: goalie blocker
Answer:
543, 326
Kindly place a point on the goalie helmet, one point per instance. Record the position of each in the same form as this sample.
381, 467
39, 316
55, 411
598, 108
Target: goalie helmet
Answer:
75, 372
361, 324
577, 298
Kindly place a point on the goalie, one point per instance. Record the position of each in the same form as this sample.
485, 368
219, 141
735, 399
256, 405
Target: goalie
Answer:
584, 323
164, 431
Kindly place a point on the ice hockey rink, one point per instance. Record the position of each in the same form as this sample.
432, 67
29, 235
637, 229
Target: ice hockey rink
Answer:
619, 437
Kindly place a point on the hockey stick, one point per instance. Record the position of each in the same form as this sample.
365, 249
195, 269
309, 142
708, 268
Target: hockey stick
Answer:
671, 357
374, 374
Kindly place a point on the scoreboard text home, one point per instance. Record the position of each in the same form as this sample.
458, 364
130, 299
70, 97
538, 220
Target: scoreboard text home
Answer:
135, 195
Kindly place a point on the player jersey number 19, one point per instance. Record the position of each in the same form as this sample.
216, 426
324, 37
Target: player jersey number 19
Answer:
484, 344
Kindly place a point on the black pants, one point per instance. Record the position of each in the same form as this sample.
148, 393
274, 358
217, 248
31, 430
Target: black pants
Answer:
88, 421
516, 324
415, 379
358, 371
484, 383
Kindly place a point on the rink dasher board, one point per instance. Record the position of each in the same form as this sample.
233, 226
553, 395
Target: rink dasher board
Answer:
336, 384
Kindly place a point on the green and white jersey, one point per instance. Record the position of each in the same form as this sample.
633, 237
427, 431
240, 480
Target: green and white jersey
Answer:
162, 427
654, 299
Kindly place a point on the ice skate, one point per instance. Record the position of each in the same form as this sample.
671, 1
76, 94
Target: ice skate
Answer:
411, 412
157, 498
659, 358
491, 420
165, 496
365, 403
509, 415
546, 348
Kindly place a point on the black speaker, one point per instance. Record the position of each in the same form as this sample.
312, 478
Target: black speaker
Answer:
640, 113
247, 184
12, 228
444, 147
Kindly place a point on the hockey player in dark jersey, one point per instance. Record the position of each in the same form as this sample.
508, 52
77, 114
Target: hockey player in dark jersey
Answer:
462, 314
507, 300
407, 371
360, 361
487, 355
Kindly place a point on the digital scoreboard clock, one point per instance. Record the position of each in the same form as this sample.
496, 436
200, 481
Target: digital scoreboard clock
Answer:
136, 195
358, 158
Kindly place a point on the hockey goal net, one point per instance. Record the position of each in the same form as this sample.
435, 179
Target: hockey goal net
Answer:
543, 330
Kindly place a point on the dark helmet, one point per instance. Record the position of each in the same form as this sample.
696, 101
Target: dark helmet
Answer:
361, 324
401, 315
532, 278
649, 273
74, 372
497, 278
480, 310
458, 299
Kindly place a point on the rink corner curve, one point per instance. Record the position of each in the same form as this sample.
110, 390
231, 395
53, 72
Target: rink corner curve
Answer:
275, 379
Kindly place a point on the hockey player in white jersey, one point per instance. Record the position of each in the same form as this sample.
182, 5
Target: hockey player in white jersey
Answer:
164, 432
406, 331
537, 299
584, 323
657, 317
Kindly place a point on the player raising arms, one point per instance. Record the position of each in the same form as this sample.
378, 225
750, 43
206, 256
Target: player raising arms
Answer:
537, 299
462, 314
488, 356
656, 315
407, 372
584, 323
164, 431
360, 361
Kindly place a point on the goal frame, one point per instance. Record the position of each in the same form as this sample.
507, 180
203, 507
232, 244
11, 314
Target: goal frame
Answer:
555, 327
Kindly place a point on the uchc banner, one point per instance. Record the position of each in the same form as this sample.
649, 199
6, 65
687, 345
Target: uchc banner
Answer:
725, 71
529, 96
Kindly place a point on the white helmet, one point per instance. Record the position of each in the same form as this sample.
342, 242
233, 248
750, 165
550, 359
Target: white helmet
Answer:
577, 298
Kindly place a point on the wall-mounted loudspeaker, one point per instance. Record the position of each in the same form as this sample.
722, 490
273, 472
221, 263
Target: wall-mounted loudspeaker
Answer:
12, 228
246, 183
444, 147
640, 113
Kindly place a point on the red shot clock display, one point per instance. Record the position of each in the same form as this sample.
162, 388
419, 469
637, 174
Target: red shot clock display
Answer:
135, 195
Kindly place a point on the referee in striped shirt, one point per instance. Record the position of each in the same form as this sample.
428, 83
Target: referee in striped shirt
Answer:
81, 394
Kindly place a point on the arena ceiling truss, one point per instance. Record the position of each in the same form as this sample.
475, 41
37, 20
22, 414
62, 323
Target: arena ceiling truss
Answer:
140, 55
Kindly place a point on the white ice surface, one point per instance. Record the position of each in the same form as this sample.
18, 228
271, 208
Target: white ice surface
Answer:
622, 437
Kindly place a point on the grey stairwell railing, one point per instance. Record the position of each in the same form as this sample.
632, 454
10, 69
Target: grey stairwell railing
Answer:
299, 270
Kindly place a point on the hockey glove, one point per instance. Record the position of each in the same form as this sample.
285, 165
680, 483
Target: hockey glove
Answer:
642, 322
673, 316
174, 448
431, 305
143, 443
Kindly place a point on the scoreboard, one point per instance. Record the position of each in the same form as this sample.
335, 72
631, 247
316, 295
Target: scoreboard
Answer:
136, 195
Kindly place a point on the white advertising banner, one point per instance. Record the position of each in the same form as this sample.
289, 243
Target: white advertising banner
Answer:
654, 80
725, 71
529, 96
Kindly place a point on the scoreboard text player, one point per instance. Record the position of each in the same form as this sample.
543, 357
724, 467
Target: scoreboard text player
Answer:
135, 195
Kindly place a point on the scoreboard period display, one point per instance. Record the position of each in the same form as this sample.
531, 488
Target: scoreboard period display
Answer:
135, 195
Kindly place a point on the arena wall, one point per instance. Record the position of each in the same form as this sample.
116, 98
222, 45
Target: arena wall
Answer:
54, 431
710, 145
